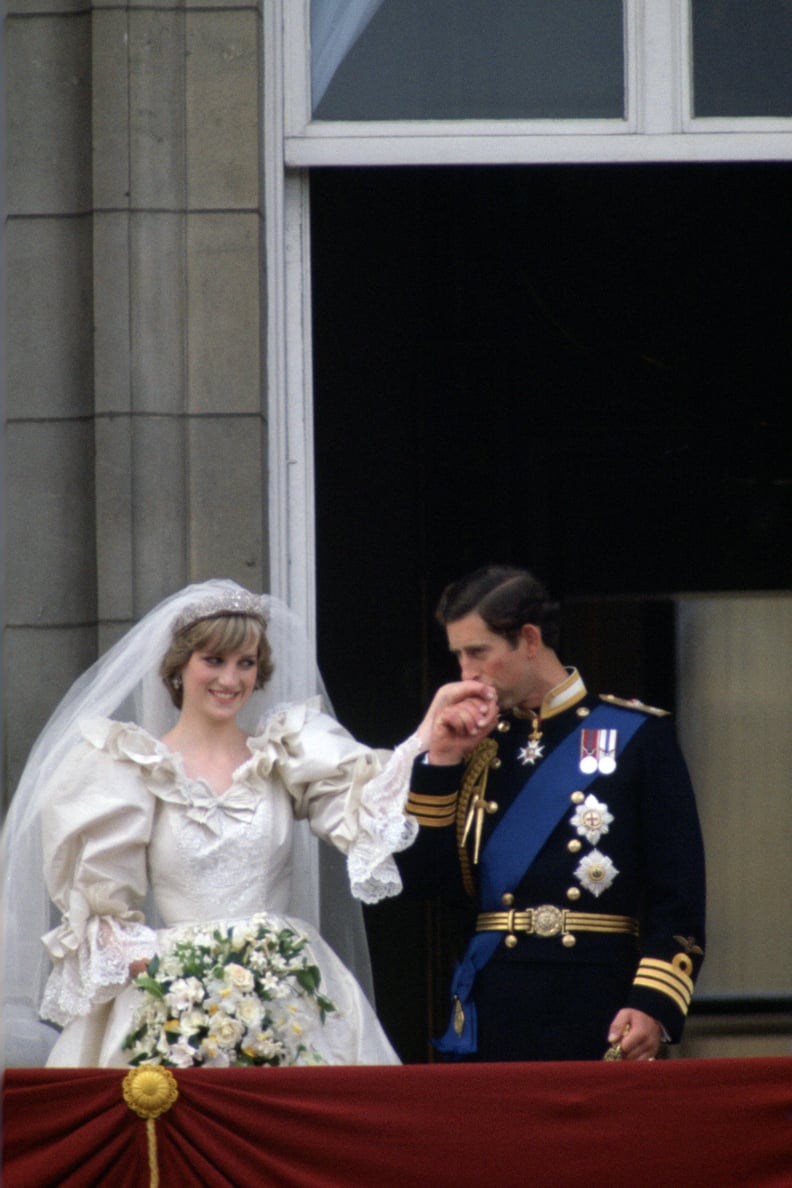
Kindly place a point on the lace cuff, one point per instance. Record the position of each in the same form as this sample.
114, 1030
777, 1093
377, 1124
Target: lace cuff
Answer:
96, 968
384, 828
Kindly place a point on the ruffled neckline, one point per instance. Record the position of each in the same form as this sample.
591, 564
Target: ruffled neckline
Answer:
276, 738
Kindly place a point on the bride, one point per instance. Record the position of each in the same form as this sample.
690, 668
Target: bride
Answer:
169, 791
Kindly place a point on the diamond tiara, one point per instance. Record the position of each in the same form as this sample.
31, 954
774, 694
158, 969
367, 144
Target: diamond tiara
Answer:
230, 602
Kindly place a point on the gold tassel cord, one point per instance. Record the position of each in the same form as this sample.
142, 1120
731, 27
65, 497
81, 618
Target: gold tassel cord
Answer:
151, 1136
473, 804
479, 806
150, 1090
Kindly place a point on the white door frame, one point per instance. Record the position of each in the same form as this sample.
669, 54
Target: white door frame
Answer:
288, 348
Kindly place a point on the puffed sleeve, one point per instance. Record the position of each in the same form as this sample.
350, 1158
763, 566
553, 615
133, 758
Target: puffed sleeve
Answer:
352, 796
95, 829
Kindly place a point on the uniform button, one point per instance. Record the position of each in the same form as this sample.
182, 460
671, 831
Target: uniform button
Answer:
510, 940
503, 726
568, 940
577, 798
507, 899
583, 711
683, 963
575, 845
573, 893
496, 763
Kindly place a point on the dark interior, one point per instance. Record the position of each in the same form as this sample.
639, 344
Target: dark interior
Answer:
585, 370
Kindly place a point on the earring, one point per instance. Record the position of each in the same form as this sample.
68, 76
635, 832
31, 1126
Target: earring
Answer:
177, 681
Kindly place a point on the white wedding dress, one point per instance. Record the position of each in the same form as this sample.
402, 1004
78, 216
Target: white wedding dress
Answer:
124, 823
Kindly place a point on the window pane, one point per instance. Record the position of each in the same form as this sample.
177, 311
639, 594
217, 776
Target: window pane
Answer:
742, 57
467, 59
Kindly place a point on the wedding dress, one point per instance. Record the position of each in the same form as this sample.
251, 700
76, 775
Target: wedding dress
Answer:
123, 818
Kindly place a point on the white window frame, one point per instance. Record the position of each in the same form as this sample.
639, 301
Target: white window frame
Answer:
658, 128
288, 350
658, 125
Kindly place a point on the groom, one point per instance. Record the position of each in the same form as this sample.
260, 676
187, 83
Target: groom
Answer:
573, 828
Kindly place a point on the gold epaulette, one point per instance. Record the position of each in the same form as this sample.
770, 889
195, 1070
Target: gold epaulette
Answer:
474, 781
634, 704
432, 811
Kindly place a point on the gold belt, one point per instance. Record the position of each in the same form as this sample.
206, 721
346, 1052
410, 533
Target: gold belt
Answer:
548, 920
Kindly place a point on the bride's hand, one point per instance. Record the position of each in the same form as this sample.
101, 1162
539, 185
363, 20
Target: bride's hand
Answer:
138, 967
461, 714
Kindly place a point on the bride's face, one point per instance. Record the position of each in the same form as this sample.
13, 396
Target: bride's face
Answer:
218, 684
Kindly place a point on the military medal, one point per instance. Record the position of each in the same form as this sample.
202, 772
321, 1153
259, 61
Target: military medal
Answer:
606, 760
588, 751
533, 749
591, 819
596, 872
598, 751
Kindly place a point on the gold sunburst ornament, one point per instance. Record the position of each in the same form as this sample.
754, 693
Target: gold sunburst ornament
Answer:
150, 1090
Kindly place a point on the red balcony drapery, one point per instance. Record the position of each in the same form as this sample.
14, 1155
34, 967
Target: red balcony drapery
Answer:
725, 1123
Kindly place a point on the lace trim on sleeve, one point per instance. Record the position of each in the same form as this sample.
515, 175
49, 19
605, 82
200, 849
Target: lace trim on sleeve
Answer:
96, 969
384, 828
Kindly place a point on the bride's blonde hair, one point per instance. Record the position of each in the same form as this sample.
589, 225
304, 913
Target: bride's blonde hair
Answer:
221, 633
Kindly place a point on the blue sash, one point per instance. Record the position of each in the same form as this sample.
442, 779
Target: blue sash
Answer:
512, 846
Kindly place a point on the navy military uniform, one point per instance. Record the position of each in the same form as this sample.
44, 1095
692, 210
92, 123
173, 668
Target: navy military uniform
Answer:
610, 911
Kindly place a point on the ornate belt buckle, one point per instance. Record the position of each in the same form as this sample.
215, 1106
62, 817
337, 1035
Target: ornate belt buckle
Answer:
548, 920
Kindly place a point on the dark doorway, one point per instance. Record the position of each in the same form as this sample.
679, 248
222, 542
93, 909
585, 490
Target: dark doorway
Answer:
585, 370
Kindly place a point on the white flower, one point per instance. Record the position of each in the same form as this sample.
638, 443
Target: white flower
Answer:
241, 935
273, 987
250, 1011
181, 1054
596, 872
153, 1012
200, 938
226, 1030
184, 992
212, 1055
238, 977
592, 819
261, 920
162, 1046
193, 1020
264, 1045
170, 967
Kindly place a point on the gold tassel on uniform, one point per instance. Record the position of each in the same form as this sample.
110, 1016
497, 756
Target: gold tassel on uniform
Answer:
473, 804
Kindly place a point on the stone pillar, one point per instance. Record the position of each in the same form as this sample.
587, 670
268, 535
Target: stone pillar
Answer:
135, 405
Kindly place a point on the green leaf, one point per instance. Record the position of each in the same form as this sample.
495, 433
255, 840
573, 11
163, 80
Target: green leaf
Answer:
150, 985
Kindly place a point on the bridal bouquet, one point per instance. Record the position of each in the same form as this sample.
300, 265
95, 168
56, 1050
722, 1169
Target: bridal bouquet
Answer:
229, 997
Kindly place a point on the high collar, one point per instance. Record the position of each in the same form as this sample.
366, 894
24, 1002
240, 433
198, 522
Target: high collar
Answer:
566, 694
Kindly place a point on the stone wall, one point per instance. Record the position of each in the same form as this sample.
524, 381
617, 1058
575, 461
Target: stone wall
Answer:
135, 430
